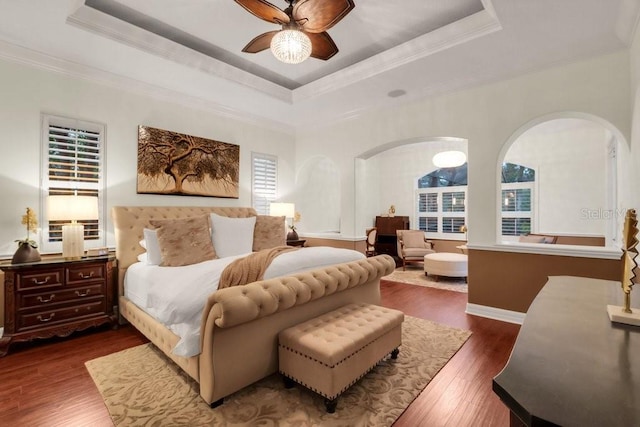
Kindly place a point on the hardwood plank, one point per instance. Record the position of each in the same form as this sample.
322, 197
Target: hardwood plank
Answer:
45, 383
460, 394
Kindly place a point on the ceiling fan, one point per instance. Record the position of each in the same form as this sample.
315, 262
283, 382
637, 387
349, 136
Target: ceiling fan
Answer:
304, 24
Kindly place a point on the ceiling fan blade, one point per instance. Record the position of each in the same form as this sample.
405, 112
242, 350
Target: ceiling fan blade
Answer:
264, 10
322, 45
316, 16
260, 43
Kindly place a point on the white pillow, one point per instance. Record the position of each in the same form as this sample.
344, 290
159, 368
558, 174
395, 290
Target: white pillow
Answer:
142, 257
154, 257
232, 236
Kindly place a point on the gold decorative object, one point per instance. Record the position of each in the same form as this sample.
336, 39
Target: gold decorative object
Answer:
464, 229
293, 234
27, 248
392, 210
625, 314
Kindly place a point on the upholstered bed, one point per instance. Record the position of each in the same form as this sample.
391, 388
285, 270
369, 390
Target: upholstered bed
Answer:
239, 328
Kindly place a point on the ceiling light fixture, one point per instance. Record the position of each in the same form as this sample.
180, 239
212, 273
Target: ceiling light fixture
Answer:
304, 26
291, 46
449, 159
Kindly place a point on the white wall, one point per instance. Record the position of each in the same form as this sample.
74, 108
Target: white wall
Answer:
631, 189
391, 177
486, 116
27, 92
318, 181
570, 160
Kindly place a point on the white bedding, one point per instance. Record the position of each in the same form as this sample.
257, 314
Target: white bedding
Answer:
176, 296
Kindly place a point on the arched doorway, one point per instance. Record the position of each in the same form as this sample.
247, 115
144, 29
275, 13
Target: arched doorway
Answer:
575, 157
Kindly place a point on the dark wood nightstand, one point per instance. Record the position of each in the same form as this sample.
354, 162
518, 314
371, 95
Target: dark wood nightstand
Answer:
299, 242
55, 297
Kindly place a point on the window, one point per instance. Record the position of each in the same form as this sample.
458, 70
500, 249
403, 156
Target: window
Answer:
73, 153
516, 211
517, 199
441, 202
264, 178
442, 211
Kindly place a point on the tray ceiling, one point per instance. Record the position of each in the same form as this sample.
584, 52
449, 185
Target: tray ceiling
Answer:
189, 51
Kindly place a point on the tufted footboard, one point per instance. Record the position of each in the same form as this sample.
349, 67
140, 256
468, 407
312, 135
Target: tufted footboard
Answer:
241, 324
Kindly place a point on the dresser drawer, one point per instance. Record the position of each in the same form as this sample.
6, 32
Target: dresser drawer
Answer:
56, 296
84, 273
39, 278
62, 314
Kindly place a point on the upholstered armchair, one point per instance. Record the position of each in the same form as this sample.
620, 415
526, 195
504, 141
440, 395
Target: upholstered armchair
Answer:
372, 234
412, 246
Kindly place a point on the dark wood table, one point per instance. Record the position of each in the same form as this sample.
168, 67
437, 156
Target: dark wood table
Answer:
571, 365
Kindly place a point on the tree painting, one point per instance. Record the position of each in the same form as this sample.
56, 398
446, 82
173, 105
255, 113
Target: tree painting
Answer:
175, 163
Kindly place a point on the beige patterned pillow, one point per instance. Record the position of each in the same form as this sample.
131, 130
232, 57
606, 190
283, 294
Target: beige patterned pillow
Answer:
269, 232
184, 241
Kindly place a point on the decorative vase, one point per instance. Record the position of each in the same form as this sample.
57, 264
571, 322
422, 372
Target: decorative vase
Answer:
292, 235
25, 253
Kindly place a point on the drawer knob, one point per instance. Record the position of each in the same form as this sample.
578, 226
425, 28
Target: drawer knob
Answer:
35, 281
40, 318
83, 294
85, 276
51, 297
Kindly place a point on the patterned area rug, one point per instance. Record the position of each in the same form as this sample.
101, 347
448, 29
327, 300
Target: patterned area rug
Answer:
415, 276
140, 386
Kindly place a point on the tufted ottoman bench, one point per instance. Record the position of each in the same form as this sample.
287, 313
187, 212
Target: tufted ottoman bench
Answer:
331, 352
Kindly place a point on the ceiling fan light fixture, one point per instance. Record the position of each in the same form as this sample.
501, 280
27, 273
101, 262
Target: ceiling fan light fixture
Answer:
291, 46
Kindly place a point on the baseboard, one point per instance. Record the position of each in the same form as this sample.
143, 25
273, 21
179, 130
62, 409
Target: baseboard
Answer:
495, 313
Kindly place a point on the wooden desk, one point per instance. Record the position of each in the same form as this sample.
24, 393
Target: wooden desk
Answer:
387, 240
570, 365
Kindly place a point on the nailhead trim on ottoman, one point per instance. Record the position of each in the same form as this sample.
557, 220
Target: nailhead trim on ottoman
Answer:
331, 352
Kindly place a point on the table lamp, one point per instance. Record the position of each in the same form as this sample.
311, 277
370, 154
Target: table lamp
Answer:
72, 208
288, 210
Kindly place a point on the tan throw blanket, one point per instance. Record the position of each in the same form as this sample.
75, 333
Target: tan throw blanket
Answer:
250, 268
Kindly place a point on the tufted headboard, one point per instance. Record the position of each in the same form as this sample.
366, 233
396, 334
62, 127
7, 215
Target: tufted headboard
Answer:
129, 221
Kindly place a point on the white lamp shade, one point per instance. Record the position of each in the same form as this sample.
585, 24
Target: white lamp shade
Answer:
449, 159
291, 46
72, 208
287, 210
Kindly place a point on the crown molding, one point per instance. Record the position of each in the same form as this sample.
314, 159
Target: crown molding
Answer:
461, 31
21, 55
105, 25
464, 30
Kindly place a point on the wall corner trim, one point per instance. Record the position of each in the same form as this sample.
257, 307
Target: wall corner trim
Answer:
495, 313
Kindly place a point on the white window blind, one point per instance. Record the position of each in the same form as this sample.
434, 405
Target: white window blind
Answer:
73, 151
517, 212
441, 211
264, 178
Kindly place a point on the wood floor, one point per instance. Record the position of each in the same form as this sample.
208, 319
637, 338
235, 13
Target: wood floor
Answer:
46, 383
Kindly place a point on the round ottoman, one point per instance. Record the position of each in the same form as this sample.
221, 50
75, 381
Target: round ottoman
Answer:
446, 264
